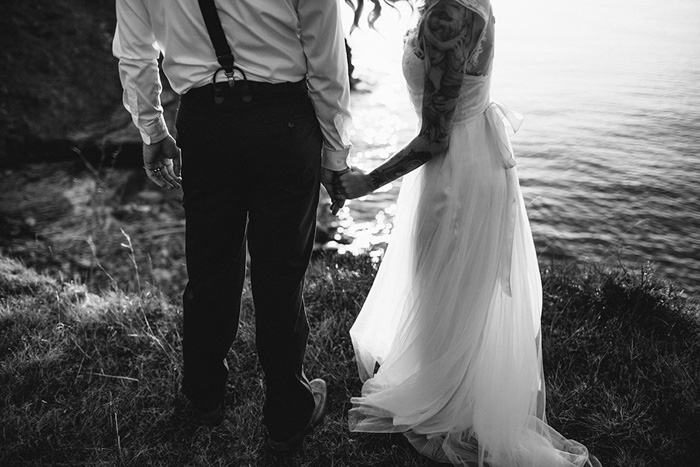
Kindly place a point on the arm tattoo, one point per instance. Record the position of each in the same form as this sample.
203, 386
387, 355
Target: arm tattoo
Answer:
398, 166
445, 32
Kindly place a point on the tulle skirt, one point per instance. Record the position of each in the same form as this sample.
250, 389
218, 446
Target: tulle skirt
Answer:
452, 322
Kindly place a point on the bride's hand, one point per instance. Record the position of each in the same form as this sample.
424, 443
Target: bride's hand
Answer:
355, 183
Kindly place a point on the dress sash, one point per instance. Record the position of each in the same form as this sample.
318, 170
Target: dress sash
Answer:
499, 118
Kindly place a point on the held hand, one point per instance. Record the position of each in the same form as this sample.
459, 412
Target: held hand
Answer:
162, 163
355, 183
330, 181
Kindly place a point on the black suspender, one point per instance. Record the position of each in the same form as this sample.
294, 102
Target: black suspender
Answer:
216, 33
223, 52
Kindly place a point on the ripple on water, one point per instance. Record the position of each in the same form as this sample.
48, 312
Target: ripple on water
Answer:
609, 154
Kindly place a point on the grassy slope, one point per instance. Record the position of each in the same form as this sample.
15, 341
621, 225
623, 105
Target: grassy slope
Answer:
92, 379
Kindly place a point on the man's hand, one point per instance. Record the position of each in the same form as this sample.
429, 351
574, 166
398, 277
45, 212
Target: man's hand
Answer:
330, 181
354, 183
162, 163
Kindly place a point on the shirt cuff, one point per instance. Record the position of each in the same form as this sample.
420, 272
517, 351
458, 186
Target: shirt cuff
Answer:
334, 159
155, 132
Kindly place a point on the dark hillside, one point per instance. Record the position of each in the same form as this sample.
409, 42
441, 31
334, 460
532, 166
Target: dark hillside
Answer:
59, 85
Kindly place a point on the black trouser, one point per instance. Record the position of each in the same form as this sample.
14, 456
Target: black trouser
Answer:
249, 167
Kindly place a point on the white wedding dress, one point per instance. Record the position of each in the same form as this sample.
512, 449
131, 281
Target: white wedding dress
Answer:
453, 318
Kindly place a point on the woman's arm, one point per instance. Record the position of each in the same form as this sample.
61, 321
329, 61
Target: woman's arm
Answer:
444, 31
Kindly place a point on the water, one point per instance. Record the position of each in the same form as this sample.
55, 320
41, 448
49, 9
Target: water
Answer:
609, 154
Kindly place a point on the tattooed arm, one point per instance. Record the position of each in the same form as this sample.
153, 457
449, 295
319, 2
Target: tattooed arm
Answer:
444, 31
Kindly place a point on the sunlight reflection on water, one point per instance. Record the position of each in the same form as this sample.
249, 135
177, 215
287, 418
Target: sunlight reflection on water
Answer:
609, 152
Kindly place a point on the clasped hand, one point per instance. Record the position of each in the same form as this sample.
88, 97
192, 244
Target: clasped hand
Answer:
355, 183
342, 185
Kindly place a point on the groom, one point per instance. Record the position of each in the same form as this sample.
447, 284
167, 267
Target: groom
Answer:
255, 138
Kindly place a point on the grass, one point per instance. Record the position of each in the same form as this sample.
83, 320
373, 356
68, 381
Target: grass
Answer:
622, 359
90, 343
92, 378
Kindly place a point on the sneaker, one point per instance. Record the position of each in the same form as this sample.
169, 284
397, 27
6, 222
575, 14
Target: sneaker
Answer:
318, 389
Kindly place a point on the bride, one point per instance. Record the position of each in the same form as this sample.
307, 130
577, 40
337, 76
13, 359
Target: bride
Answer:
448, 342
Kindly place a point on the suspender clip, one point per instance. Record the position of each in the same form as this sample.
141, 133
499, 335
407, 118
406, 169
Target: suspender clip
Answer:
229, 77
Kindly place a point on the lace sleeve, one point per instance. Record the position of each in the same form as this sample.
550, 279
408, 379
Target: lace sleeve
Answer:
470, 44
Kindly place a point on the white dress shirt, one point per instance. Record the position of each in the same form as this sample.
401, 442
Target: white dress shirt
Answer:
272, 41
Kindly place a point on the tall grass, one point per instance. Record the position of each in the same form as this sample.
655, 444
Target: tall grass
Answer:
93, 379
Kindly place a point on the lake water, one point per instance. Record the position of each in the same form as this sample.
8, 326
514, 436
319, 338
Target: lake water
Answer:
609, 153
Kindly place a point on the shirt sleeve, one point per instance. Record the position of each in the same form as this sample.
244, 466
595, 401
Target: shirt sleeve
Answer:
329, 85
135, 46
